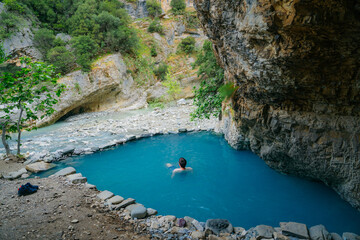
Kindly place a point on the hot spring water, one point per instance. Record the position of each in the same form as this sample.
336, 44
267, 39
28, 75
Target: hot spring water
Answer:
225, 183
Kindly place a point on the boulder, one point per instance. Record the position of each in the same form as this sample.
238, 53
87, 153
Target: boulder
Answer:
133, 206
238, 230
294, 229
335, 236
91, 186
151, 211
350, 236
39, 167
14, 175
263, 231
188, 221
104, 195
218, 226
76, 178
279, 236
138, 212
115, 200
64, 172
319, 232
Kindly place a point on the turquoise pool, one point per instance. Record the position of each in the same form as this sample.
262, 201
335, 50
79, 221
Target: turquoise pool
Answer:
225, 183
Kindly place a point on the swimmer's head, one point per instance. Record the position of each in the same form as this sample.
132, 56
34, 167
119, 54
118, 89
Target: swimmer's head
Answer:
182, 162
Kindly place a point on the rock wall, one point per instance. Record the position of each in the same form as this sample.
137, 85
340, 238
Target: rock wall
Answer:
297, 67
108, 87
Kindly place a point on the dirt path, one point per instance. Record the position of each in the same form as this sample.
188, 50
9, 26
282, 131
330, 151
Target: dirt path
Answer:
59, 211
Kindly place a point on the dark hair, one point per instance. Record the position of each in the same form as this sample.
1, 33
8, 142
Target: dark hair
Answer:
182, 162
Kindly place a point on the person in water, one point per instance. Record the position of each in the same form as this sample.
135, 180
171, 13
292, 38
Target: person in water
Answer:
182, 166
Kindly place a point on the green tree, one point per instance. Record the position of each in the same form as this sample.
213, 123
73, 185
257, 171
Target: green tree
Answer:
172, 85
153, 7
84, 48
187, 45
161, 71
30, 92
178, 6
3, 56
8, 24
62, 59
44, 40
208, 98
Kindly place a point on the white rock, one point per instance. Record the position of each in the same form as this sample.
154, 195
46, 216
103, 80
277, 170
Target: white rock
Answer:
151, 211
39, 166
76, 178
14, 175
91, 186
115, 200
64, 172
104, 195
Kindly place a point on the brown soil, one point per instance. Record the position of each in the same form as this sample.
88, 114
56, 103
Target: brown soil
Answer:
52, 211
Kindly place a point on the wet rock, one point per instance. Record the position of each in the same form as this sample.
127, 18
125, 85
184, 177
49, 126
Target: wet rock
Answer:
350, 236
76, 178
138, 212
294, 229
64, 172
39, 167
238, 230
151, 212
104, 195
319, 232
115, 200
182, 130
218, 226
188, 221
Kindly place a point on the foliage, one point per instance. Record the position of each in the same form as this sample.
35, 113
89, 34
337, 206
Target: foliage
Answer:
187, 45
140, 68
44, 40
208, 99
8, 24
178, 6
3, 56
26, 94
153, 51
172, 85
62, 59
155, 26
191, 20
14, 5
156, 103
153, 7
161, 71
84, 49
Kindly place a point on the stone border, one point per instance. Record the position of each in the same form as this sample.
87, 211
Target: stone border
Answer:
171, 227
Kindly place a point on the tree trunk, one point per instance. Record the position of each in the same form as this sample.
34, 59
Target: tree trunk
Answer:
19, 130
3, 138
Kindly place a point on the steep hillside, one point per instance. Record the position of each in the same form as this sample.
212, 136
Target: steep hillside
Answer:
297, 67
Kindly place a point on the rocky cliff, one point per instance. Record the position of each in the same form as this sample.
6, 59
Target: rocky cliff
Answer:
107, 87
297, 67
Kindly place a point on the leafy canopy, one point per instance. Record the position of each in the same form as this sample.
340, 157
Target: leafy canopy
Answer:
28, 94
153, 7
178, 6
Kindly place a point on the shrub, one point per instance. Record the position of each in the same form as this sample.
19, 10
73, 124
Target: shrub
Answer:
44, 40
161, 71
153, 51
61, 58
14, 5
8, 24
85, 48
208, 97
153, 8
155, 26
178, 6
172, 85
187, 45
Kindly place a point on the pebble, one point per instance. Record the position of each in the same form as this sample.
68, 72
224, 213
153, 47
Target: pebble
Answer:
75, 221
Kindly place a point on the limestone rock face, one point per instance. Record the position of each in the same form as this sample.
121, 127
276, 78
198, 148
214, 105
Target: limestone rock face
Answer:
107, 87
297, 67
